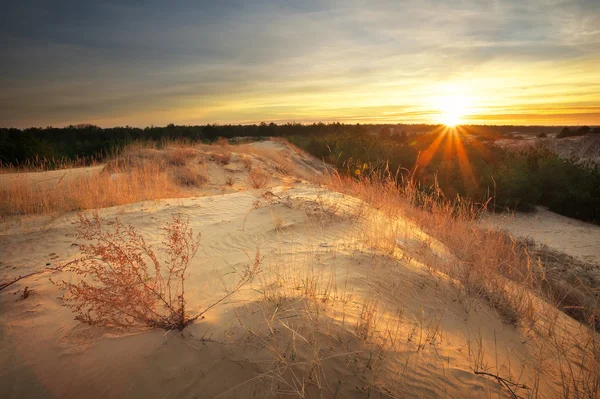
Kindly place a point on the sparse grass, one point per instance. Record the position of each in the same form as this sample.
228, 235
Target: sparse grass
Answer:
140, 172
222, 141
508, 274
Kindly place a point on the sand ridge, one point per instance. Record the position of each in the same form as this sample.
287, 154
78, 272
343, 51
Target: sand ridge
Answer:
345, 306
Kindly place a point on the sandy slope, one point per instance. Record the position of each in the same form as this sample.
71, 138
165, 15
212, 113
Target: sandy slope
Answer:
337, 311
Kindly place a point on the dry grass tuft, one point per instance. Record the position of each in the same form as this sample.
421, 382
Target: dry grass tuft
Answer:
258, 179
187, 177
181, 156
222, 158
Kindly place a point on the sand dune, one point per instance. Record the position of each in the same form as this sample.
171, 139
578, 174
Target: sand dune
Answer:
345, 306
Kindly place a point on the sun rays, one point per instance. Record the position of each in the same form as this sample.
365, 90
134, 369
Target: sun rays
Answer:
452, 138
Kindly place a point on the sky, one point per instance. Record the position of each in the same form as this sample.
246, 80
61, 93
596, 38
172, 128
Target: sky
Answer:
141, 63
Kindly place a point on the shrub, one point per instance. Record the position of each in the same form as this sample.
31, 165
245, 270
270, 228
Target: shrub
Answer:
541, 135
124, 283
583, 130
258, 179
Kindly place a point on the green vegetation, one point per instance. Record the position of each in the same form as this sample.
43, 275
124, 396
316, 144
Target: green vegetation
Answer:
467, 165
469, 168
85, 142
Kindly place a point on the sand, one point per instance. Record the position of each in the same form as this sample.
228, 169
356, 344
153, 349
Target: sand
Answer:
573, 237
336, 312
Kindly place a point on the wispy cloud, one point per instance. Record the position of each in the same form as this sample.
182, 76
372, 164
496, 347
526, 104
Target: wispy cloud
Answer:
144, 63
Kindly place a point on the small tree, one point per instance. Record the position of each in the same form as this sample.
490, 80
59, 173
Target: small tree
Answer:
565, 132
582, 131
123, 283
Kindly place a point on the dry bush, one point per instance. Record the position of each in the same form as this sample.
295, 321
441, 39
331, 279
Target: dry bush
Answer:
187, 177
222, 158
125, 284
229, 180
181, 156
258, 179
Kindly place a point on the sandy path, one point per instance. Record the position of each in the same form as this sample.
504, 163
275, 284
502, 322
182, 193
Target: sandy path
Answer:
571, 236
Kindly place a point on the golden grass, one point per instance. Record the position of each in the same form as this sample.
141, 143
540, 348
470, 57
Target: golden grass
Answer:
187, 177
276, 159
507, 273
23, 196
181, 156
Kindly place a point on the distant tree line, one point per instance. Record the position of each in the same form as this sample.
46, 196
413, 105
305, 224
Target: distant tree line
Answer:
18, 146
581, 131
471, 167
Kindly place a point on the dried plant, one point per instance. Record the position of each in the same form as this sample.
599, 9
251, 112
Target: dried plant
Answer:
123, 282
258, 179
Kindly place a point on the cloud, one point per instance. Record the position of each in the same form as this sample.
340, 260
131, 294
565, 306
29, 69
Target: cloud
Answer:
141, 62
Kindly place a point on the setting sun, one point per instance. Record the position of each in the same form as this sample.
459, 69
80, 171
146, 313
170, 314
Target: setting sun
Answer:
452, 109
